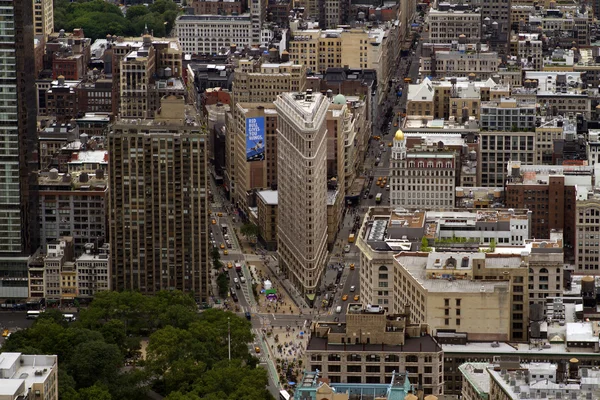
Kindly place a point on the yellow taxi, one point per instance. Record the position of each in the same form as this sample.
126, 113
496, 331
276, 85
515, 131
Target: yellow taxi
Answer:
220, 214
376, 137
395, 124
257, 349
356, 298
5, 333
225, 252
221, 246
351, 267
390, 144
345, 297
229, 265
214, 221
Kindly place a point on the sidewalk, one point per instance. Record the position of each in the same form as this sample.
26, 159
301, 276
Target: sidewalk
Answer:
284, 304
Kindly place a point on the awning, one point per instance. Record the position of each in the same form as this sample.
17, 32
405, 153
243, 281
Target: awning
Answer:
311, 297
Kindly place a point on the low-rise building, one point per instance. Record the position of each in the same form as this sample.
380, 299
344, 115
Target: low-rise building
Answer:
507, 115
93, 271
528, 186
267, 218
587, 243
409, 167
499, 147
68, 54
439, 289
220, 7
73, 204
371, 346
313, 386
386, 231
208, 34
52, 138
459, 59
450, 22
509, 379
29, 376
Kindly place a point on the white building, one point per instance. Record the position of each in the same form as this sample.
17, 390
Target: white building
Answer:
28, 376
302, 187
508, 227
448, 25
208, 34
93, 270
422, 177
510, 380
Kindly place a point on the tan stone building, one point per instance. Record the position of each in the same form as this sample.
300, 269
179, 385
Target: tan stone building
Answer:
458, 60
356, 48
144, 70
371, 345
257, 82
43, 17
158, 202
457, 97
448, 25
587, 239
258, 174
302, 188
456, 291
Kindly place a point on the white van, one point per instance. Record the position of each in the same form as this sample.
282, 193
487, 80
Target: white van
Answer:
338, 309
242, 279
34, 314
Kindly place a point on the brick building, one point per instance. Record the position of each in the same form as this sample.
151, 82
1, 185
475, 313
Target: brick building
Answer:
550, 192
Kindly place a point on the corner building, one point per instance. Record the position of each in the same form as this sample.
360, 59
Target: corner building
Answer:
159, 202
302, 188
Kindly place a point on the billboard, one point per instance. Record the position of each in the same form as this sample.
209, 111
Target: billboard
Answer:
255, 139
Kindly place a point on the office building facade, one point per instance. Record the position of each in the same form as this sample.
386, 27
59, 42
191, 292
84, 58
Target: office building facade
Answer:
159, 202
302, 188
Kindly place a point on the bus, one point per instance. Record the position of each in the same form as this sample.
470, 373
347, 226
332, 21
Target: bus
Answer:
284, 395
378, 198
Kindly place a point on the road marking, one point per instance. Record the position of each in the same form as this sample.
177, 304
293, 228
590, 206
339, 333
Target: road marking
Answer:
274, 319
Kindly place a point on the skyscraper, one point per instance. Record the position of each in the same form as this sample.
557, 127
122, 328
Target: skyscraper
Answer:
302, 186
158, 202
19, 232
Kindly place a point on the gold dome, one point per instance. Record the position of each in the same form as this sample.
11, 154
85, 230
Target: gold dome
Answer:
399, 135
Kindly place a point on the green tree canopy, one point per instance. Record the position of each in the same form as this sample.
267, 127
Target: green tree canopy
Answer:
99, 18
187, 352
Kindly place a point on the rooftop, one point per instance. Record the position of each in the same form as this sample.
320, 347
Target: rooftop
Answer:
269, 197
23, 371
424, 344
417, 265
90, 157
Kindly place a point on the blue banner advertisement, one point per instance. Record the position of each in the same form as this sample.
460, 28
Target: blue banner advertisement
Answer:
255, 139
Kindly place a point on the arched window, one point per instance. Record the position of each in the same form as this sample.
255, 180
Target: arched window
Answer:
543, 271
383, 268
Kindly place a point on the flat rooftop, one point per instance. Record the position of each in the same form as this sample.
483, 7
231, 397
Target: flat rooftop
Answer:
423, 344
269, 197
418, 264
